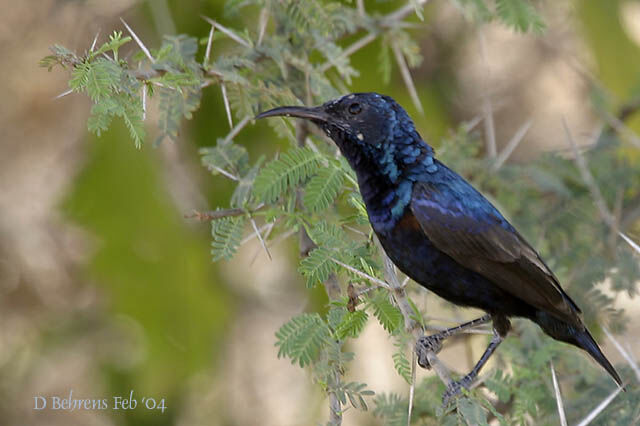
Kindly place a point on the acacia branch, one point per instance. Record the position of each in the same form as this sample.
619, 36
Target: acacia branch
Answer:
400, 296
331, 285
222, 213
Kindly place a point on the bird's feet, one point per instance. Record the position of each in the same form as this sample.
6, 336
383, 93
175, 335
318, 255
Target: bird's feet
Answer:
427, 344
454, 389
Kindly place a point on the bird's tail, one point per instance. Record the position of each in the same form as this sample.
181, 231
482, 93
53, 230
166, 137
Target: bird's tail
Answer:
577, 336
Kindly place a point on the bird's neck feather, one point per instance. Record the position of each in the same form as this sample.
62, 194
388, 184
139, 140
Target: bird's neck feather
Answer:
386, 175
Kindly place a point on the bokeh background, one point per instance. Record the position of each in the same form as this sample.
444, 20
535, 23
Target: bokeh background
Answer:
105, 287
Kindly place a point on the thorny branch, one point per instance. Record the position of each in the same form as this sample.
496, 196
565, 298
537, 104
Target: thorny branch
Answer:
331, 285
219, 214
400, 296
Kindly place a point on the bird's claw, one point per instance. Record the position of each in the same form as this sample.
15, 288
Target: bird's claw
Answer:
427, 344
454, 389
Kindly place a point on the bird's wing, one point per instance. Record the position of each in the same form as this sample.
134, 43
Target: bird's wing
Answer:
459, 221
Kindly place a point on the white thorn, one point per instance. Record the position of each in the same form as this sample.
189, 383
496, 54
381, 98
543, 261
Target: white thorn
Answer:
208, 51
512, 144
592, 415
227, 108
135, 37
406, 76
624, 353
632, 243
235, 37
144, 102
259, 235
361, 274
63, 94
232, 134
264, 20
556, 388
95, 40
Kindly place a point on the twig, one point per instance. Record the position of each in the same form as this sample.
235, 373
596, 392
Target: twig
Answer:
623, 352
588, 179
406, 76
556, 388
512, 144
216, 214
592, 415
469, 331
411, 325
331, 285
219, 214
142, 46
235, 37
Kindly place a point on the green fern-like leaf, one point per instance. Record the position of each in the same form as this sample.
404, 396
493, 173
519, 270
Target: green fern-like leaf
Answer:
402, 364
520, 15
500, 384
301, 338
174, 105
123, 105
116, 41
280, 175
389, 316
228, 157
471, 412
317, 266
352, 324
242, 194
226, 234
323, 188
100, 78
101, 116
478, 9
355, 393
326, 234
131, 113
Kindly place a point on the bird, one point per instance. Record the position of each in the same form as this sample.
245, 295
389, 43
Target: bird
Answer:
442, 232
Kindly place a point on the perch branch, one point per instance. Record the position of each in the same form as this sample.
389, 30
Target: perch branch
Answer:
400, 296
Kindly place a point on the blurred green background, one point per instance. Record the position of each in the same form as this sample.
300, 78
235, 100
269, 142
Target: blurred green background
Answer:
105, 287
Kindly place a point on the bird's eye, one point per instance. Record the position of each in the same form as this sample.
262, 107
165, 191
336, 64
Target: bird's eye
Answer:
355, 108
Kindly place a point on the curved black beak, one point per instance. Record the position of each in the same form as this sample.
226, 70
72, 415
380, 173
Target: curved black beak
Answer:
315, 113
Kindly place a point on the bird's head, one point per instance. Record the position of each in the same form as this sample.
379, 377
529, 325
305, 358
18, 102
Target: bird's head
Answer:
365, 126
